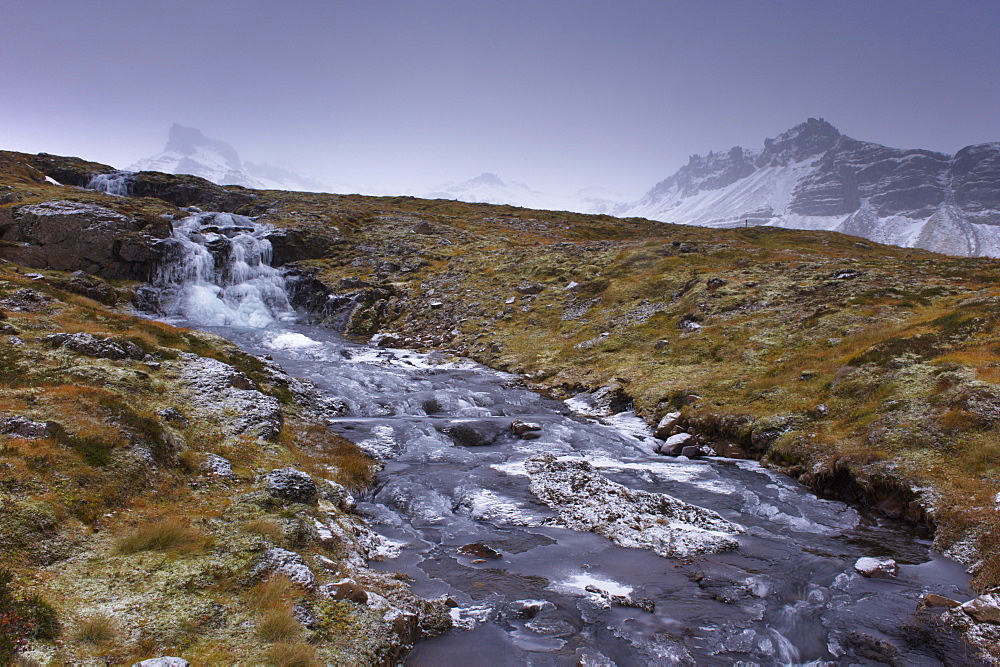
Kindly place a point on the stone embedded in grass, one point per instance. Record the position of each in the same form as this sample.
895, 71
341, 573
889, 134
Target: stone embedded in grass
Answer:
282, 561
292, 485
25, 428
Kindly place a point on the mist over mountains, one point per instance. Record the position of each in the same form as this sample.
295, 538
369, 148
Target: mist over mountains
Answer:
189, 151
809, 177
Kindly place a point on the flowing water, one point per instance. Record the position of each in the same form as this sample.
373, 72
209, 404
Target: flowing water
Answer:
787, 594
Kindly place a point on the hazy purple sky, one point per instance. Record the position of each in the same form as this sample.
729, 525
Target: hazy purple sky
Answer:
405, 95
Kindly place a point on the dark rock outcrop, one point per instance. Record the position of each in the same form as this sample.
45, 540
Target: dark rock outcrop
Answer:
77, 236
291, 485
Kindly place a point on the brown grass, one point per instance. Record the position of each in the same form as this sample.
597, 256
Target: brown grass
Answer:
284, 654
277, 590
278, 625
266, 527
96, 629
174, 535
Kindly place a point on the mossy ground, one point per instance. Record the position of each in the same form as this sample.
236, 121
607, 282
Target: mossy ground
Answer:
112, 520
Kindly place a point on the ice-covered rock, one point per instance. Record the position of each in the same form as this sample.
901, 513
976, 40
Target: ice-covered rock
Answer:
876, 567
165, 661
218, 466
586, 500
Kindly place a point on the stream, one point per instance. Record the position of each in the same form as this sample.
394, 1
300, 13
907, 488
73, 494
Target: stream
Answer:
454, 500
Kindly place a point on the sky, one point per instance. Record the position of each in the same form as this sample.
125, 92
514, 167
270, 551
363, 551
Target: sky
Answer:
405, 95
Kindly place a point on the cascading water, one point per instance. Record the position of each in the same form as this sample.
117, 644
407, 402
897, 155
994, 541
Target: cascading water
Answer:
461, 500
118, 183
218, 273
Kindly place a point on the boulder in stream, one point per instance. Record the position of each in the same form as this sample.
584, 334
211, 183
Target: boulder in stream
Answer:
586, 500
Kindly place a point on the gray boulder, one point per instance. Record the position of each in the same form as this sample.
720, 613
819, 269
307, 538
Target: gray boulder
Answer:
165, 661
25, 428
94, 346
291, 485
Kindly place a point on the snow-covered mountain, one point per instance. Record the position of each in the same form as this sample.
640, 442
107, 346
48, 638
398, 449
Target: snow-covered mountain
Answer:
188, 151
813, 177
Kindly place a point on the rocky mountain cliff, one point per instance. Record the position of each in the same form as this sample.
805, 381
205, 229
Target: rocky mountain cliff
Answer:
188, 151
814, 177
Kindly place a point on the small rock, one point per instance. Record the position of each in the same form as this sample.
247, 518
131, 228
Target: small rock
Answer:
480, 550
692, 451
9, 330
165, 661
436, 304
173, 415
661, 344
423, 228
525, 430
527, 609
527, 287
935, 600
345, 589
338, 495
715, 283
883, 568
292, 485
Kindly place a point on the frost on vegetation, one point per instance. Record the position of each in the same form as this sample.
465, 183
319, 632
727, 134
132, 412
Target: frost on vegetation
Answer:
228, 396
586, 500
288, 563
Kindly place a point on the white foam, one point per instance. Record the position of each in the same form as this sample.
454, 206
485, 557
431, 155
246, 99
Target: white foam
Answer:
577, 585
292, 341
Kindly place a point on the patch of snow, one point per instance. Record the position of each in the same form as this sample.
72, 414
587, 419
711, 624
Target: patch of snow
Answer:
291, 341
577, 585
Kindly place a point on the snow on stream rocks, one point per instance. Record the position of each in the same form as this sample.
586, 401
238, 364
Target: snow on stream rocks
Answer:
588, 501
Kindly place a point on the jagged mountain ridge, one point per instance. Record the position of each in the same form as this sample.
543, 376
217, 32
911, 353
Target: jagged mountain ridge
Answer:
189, 151
814, 177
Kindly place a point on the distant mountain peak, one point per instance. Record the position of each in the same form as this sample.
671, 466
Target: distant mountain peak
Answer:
813, 177
189, 151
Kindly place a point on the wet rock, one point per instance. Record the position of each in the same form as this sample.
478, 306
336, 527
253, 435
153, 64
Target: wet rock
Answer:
25, 428
526, 609
345, 589
880, 568
935, 600
644, 604
586, 500
474, 433
282, 561
665, 427
697, 451
674, 444
984, 609
525, 430
165, 661
480, 550
291, 485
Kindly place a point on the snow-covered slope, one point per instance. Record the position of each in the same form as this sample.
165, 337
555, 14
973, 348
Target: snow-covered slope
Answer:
813, 177
188, 151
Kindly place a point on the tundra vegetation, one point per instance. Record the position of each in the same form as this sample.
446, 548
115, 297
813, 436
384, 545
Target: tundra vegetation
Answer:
868, 372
